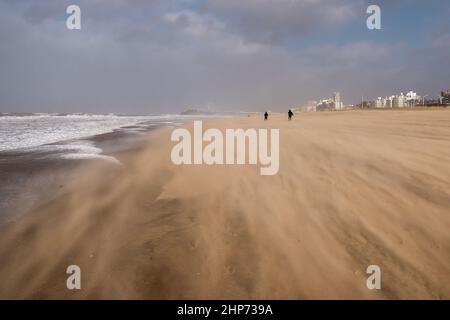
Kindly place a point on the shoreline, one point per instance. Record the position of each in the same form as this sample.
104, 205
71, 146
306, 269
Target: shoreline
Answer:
23, 171
351, 191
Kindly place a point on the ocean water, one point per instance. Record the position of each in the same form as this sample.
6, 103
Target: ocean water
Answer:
37, 151
21, 132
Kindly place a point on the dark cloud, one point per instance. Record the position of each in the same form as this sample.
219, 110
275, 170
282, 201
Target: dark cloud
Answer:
275, 21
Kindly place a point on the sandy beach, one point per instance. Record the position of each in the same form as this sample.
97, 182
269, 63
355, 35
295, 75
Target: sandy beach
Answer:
353, 189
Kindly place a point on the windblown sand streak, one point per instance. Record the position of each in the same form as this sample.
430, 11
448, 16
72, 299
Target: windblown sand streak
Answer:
354, 189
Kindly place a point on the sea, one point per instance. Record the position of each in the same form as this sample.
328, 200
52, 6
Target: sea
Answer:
69, 134
39, 150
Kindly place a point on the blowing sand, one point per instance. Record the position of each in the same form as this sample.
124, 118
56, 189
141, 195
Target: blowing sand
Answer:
353, 189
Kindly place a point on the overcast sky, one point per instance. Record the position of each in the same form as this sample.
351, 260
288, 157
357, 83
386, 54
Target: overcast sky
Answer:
163, 56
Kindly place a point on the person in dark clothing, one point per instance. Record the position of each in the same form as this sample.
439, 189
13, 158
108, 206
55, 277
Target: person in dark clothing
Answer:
266, 115
290, 114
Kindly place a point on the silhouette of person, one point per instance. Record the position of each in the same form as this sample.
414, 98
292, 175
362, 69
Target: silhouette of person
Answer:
290, 114
266, 115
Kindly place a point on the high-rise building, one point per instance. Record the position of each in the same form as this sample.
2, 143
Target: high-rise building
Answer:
445, 97
389, 102
412, 99
379, 103
399, 101
334, 103
325, 105
338, 105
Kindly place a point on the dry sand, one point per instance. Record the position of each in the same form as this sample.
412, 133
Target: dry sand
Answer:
354, 189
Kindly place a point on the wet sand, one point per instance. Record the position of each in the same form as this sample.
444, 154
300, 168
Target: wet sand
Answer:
354, 189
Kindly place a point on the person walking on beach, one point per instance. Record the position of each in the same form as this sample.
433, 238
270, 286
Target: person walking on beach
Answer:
266, 115
290, 114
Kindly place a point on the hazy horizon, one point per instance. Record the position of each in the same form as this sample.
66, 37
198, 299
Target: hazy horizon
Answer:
165, 56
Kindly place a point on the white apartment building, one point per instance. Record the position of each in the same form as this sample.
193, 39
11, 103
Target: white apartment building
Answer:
399, 101
379, 103
338, 105
412, 99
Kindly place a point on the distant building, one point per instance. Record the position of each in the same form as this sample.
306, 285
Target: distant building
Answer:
389, 102
325, 105
338, 105
445, 97
399, 101
330, 104
310, 106
379, 103
412, 99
